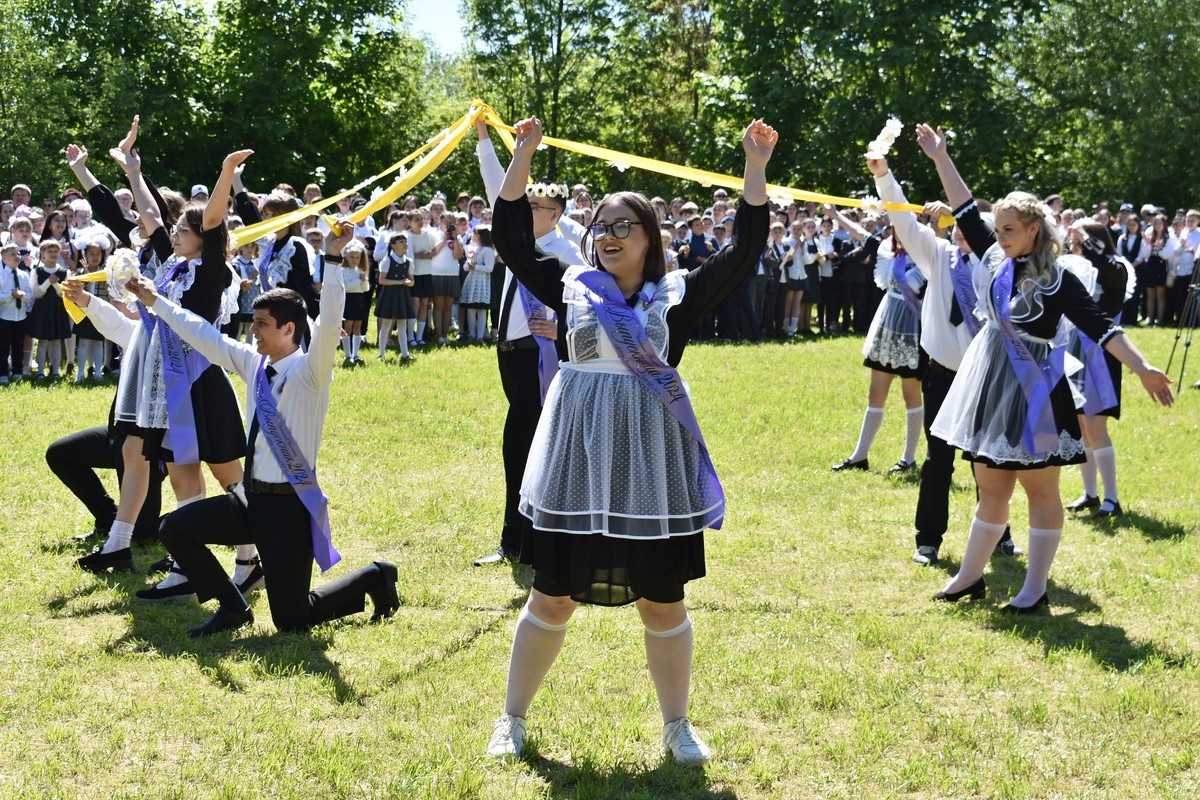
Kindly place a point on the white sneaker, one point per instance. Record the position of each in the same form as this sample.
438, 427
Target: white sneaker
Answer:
681, 741
508, 737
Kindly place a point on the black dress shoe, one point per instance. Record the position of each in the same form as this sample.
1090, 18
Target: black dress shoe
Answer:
1039, 604
902, 466
224, 620
976, 591
164, 564
1109, 508
1084, 503
117, 560
156, 594
849, 465
498, 556
387, 600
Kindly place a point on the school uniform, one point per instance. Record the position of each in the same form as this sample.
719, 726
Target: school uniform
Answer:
985, 412
13, 315
615, 486
394, 302
266, 510
893, 343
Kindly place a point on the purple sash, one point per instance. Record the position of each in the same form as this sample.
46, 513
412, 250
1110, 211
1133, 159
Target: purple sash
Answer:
300, 474
899, 277
547, 354
1099, 394
264, 268
964, 292
628, 337
180, 370
1039, 434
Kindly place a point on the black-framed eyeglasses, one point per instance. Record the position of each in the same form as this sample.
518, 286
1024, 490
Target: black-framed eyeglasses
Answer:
619, 229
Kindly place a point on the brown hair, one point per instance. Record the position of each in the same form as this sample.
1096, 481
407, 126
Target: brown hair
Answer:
278, 203
655, 266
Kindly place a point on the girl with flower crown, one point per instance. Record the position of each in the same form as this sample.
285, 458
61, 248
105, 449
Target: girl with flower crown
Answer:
619, 484
1010, 408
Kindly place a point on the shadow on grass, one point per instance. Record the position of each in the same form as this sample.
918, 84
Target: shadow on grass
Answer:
1107, 645
1149, 526
666, 779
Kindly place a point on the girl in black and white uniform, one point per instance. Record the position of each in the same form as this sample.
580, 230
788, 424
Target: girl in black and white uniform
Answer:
986, 413
892, 350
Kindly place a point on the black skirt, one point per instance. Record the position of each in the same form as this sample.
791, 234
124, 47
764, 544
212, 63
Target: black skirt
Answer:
220, 435
356, 307
1153, 273
607, 571
393, 302
50, 318
86, 330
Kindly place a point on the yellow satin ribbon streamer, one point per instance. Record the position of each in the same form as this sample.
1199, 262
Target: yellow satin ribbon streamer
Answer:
75, 312
703, 177
449, 139
251, 233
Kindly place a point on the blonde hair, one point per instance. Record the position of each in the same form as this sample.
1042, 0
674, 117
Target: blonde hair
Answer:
1048, 245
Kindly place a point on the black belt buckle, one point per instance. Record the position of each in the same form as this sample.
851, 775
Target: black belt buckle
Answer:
524, 343
261, 487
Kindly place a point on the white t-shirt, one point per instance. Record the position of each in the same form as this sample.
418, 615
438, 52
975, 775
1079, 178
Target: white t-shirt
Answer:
422, 242
444, 264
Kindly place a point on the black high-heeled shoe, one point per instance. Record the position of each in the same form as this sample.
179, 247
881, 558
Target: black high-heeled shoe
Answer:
976, 591
1040, 603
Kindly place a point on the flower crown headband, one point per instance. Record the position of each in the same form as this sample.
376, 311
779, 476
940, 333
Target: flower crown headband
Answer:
548, 190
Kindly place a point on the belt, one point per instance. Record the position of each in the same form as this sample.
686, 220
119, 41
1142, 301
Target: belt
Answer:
524, 343
262, 487
941, 369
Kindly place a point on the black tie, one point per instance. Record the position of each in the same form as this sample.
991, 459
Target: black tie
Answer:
16, 283
956, 316
253, 435
506, 308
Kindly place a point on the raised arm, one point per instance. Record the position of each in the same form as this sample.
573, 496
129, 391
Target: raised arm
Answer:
720, 274
489, 165
856, 231
933, 144
218, 201
77, 161
327, 328
918, 239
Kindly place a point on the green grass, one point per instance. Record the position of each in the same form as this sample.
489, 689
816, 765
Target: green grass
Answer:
822, 670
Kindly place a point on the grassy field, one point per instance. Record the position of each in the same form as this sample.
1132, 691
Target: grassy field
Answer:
822, 668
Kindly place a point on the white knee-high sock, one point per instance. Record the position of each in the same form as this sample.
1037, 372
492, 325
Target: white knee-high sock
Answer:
119, 536
535, 646
1106, 463
669, 657
70, 343
1087, 471
243, 552
421, 331
175, 578
385, 331
402, 338
345, 340
411, 327
1043, 544
872, 420
980, 544
914, 422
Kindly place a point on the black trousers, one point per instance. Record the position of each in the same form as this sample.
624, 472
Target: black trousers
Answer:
519, 378
12, 345
279, 525
933, 497
75, 458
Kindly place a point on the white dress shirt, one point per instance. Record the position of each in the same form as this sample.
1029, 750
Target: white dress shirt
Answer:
554, 242
302, 379
934, 256
8, 304
1189, 241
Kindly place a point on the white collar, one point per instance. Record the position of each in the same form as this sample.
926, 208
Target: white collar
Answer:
285, 364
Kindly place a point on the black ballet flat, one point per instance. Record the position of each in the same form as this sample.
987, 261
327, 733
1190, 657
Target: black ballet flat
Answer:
1109, 508
1084, 503
118, 561
851, 465
976, 591
1039, 604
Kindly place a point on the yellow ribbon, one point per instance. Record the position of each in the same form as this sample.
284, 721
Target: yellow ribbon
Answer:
703, 177
75, 312
449, 139
251, 233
